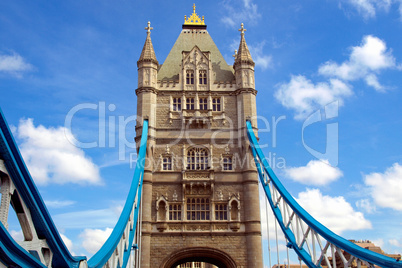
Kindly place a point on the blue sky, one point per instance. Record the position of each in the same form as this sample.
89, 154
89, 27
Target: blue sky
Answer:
56, 56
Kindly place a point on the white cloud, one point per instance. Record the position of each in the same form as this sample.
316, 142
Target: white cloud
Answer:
303, 96
240, 11
17, 235
365, 61
261, 60
333, 212
95, 218
366, 205
93, 239
316, 172
386, 188
68, 243
14, 64
59, 203
394, 242
369, 8
51, 158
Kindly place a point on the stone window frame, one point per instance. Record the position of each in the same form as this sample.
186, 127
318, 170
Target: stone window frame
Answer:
221, 211
190, 103
167, 165
203, 103
227, 166
198, 208
199, 159
217, 104
189, 77
175, 209
202, 77
177, 104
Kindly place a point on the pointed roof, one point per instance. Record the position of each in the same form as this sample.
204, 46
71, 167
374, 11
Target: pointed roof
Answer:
148, 53
243, 54
186, 41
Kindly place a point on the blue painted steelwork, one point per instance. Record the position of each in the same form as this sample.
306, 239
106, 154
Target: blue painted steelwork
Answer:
27, 190
132, 202
354, 250
13, 254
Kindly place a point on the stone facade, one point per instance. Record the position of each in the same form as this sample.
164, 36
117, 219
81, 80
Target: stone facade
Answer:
200, 195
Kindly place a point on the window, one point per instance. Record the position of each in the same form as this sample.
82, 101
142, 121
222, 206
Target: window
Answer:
175, 212
190, 77
221, 212
197, 264
197, 159
167, 163
227, 163
216, 104
176, 104
198, 209
203, 104
202, 77
190, 103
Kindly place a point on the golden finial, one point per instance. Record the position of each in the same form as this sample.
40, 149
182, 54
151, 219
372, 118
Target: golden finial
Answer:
149, 28
242, 30
194, 19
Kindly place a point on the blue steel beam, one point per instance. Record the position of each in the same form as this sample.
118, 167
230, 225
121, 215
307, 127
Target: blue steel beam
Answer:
13, 254
25, 185
338, 241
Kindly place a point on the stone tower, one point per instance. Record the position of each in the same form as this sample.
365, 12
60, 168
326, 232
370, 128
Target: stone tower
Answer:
200, 194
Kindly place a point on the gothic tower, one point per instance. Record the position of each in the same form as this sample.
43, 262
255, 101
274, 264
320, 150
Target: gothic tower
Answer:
200, 194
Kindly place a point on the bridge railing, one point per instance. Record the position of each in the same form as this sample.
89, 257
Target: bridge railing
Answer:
116, 250
314, 244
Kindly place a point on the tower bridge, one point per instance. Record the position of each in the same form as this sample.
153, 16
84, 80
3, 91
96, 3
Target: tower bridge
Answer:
194, 196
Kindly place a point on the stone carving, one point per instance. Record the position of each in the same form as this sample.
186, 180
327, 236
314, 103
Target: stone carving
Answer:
198, 227
220, 196
174, 227
221, 227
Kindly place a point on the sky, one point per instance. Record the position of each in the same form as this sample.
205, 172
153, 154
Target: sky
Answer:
328, 75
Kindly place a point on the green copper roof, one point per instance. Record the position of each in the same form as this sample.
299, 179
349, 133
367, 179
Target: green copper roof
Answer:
185, 42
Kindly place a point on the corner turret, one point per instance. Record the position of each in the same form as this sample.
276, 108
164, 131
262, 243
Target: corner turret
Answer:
244, 64
147, 64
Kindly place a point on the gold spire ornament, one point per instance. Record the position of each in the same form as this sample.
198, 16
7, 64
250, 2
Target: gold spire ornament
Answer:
194, 19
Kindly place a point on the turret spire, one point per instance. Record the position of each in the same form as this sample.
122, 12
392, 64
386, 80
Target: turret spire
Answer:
243, 54
148, 53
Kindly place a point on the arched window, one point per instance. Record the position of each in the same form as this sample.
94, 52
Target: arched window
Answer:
216, 104
197, 159
203, 104
190, 77
202, 77
162, 211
